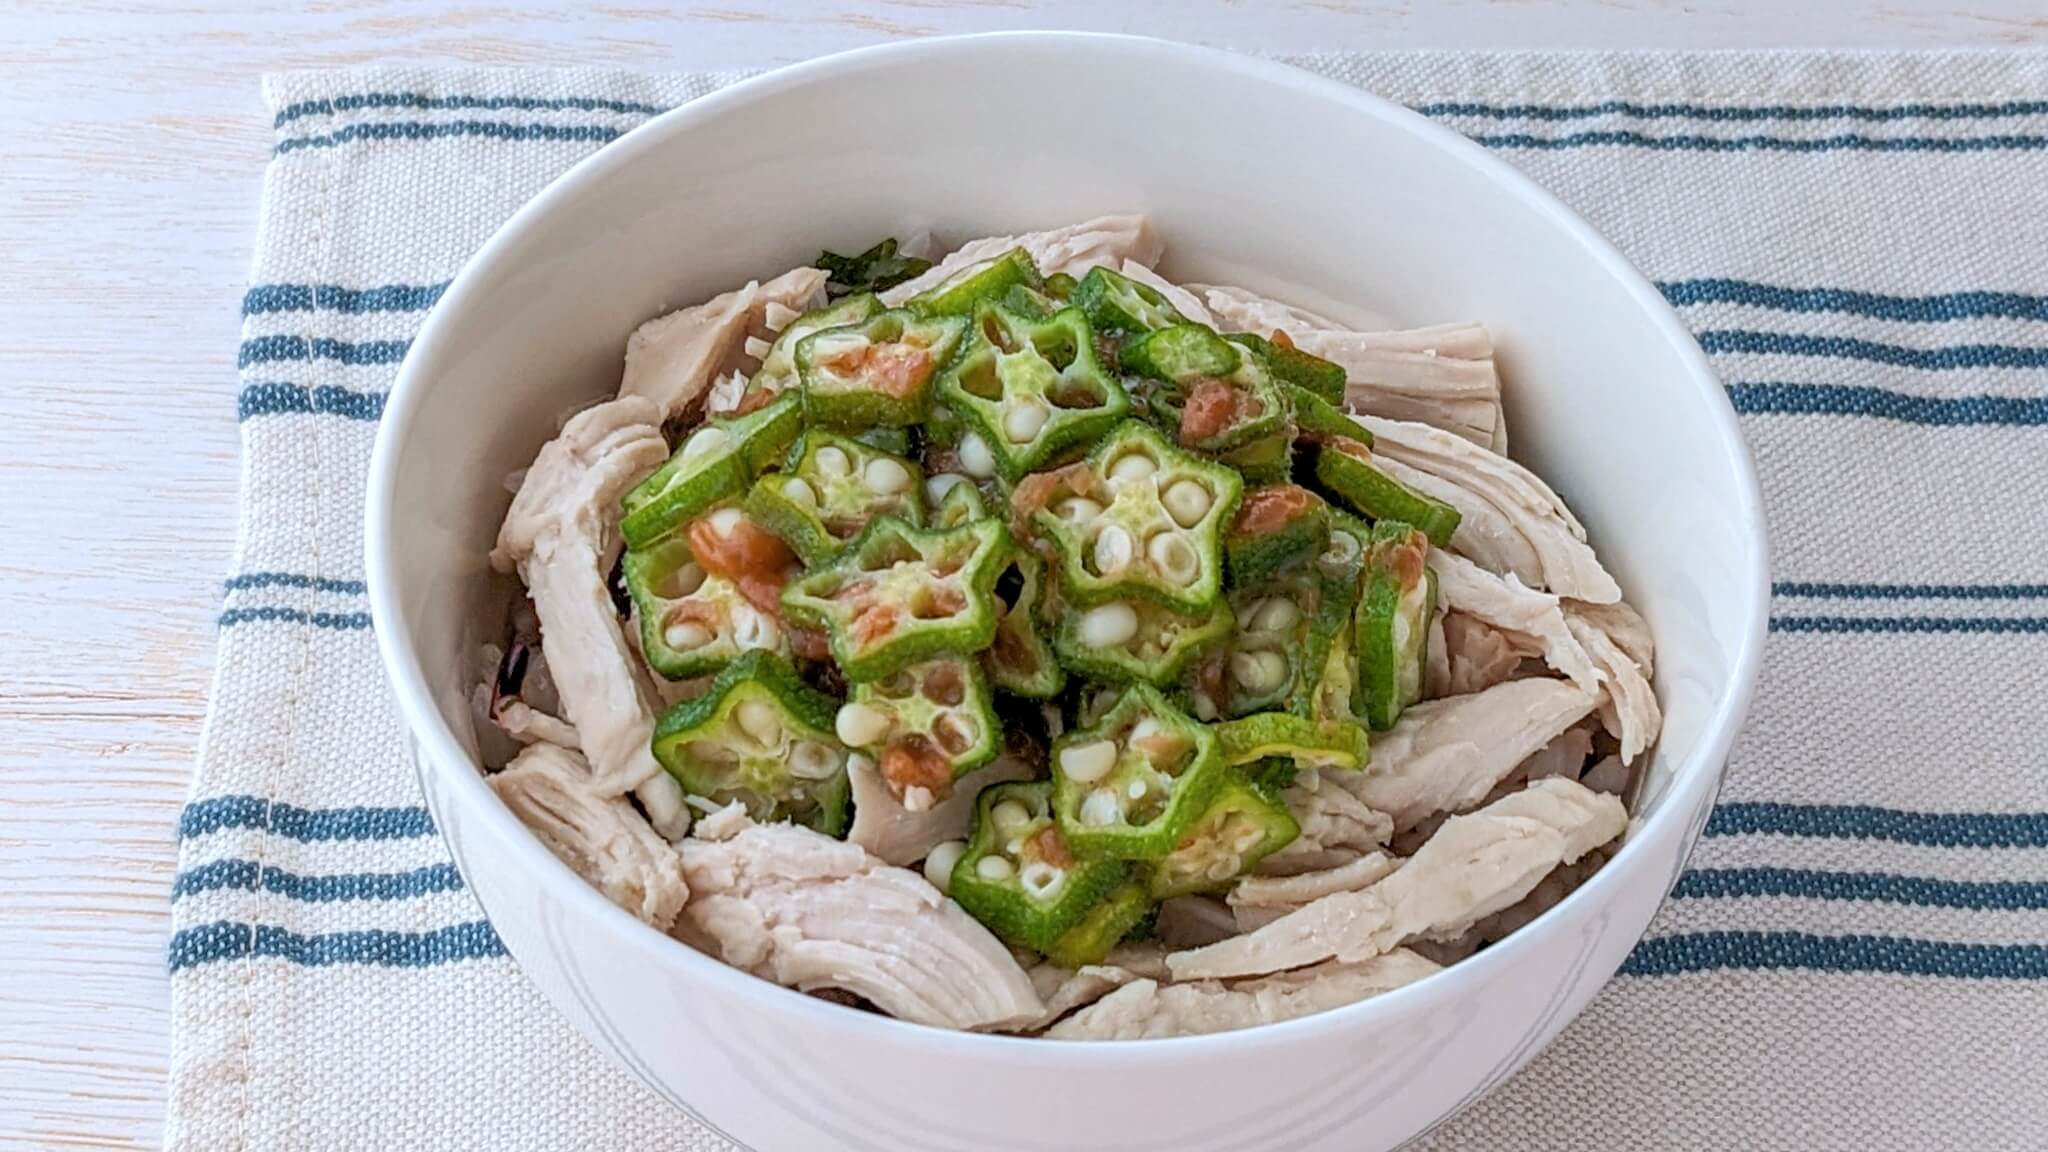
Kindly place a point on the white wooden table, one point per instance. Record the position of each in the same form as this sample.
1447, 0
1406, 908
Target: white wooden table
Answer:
129, 174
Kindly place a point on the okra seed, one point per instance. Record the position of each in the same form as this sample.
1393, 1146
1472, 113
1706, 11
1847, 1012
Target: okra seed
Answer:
1137, 788
1109, 625
1205, 707
799, 493
1258, 671
833, 462
1223, 868
757, 718
685, 580
859, 725
918, 798
1187, 502
814, 761
1040, 878
726, 521
886, 476
1131, 466
938, 865
1113, 550
1009, 816
1277, 614
757, 347
687, 636
1079, 510
1087, 763
752, 629
993, 868
975, 458
1101, 808
1175, 558
1024, 421
707, 439
936, 486
1247, 838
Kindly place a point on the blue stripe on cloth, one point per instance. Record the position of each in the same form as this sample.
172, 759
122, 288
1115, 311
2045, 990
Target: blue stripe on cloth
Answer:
263, 299
1897, 355
292, 580
287, 349
1710, 951
308, 825
1775, 399
1999, 625
418, 101
1876, 887
487, 129
248, 876
1863, 822
1916, 309
1852, 142
234, 940
1737, 113
1825, 591
277, 398
338, 621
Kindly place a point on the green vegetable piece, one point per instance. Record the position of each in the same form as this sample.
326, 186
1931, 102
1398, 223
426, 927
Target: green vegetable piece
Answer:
1393, 622
715, 463
1242, 826
1342, 569
1029, 302
1116, 303
925, 725
1154, 647
1140, 518
1277, 527
977, 284
1290, 365
895, 441
876, 373
1060, 286
1182, 352
1319, 418
1267, 460
1276, 655
897, 595
692, 623
873, 270
1018, 876
1021, 661
1274, 775
1130, 786
778, 373
1031, 389
763, 737
962, 503
1344, 468
1306, 743
1213, 397
1112, 919
832, 487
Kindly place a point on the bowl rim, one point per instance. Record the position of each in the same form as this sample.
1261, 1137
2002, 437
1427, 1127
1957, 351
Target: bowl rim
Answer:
437, 749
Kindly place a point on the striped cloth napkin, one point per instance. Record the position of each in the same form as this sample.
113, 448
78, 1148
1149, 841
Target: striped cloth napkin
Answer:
1857, 956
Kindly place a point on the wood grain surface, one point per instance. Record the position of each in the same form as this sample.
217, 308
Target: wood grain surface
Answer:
129, 176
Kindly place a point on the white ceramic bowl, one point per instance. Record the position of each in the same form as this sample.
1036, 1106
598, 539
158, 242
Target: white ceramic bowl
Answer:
1257, 174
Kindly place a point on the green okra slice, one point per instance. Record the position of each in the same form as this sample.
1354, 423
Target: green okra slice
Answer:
958, 501
1241, 826
1018, 877
895, 441
925, 725
1322, 420
692, 623
1029, 391
830, 489
1021, 660
1273, 775
878, 372
1130, 785
1114, 918
1114, 302
1392, 637
1277, 527
763, 737
1267, 460
1345, 469
977, 284
1305, 743
1291, 365
715, 463
1060, 286
898, 595
1029, 302
1211, 396
873, 270
1273, 658
778, 373
1139, 518
1137, 641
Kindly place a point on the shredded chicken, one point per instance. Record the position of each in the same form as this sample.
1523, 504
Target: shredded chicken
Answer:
1628, 706
1445, 755
1565, 756
1561, 882
529, 725
808, 912
1192, 921
603, 838
1239, 310
560, 536
1336, 826
1534, 622
883, 826
1074, 249
1064, 990
1183, 301
1623, 625
1474, 866
673, 359
1609, 775
1475, 656
1260, 900
1147, 1009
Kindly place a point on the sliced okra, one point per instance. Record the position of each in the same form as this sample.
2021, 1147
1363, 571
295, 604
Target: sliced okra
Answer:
1306, 743
954, 500
1345, 469
763, 737
1129, 786
925, 725
1267, 460
1028, 391
1029, 302
881, 266
895, 441
1212, 396
1138, 518
714, 463
1018, 876
1392, 637
1060, 286
830, 489
877, 373
1273, 658
1291, 365
1273, 775
1241, 826
1321, 420
898, 595
1020, 660
1116, 303
1113, 919
982, 283
1137, 641
778, 373
693, 622
1277, 527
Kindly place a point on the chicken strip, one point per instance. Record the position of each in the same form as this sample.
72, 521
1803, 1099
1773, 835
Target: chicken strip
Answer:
1474, 866
1260, 900
561, 536
1472, 656
1148, 1010
1533, 621
1239, 310
1623, 625
1446, 755
1336, 826
1628, 705
1499, 498
1105, 240
808, 912
673, 359
1065, 990
1192, 921
1561, 882
602, 838
883, 826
